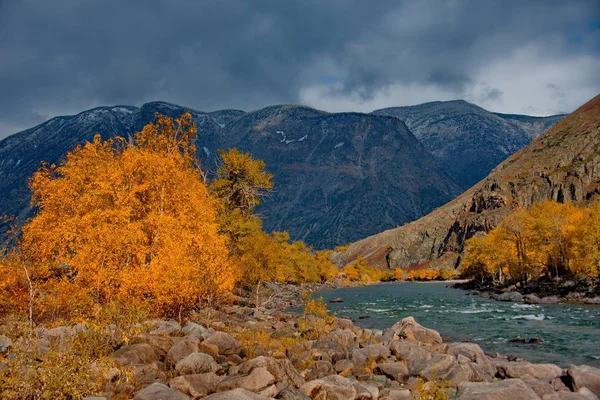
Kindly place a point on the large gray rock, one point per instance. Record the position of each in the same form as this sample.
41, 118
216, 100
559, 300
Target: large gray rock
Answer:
585, 376
259, 380
236, 394
538, 371
581, 394
194, 329
196, 385
182, 349
165, 327
319, 370
408, 328
145, 374
396, 371
225, 344
366, 391
332, 387
510, 389
282, 369
510, 296
159, 391
291, 393
395, 394
140, 353
160, 343
196, 363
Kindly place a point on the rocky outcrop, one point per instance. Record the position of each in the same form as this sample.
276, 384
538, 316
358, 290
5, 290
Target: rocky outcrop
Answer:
561, 165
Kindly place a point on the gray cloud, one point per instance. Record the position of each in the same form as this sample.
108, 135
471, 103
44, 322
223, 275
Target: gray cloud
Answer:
64, 56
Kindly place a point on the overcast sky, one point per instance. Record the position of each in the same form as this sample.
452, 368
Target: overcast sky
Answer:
61, 57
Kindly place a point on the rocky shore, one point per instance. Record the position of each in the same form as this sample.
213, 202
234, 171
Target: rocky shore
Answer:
239, 352
543, 291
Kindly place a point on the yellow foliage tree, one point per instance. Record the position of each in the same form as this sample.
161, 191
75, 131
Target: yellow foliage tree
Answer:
125, 221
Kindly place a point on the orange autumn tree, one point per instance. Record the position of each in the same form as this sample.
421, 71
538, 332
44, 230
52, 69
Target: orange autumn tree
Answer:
124, 222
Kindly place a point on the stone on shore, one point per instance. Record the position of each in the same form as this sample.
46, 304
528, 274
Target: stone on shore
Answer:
510, 296
408, 328
225, 344
510, 389
140, 353
196, 385
236, 394
159, 391
538, 371
196, 363
331, 388
585, 376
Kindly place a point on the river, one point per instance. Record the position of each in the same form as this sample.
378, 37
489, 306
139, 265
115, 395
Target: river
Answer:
571, 332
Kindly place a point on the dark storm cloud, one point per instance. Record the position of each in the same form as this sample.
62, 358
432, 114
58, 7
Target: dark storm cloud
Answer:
64, 56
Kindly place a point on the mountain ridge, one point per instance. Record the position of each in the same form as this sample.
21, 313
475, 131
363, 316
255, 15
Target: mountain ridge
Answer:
338, 177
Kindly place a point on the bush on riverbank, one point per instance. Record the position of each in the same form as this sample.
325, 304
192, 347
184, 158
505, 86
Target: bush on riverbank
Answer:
554, 239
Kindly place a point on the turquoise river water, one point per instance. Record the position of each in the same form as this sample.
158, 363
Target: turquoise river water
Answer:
571, 332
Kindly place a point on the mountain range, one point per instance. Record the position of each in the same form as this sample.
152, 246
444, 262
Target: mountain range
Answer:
339, 177
467, 140
563, 164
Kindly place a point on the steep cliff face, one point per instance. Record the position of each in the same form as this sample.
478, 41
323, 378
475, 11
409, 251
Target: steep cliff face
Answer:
466, 139
563, 164
339, 177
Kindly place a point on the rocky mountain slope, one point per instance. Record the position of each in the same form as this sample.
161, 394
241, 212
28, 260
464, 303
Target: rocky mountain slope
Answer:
338, 177
563, 164
466, 139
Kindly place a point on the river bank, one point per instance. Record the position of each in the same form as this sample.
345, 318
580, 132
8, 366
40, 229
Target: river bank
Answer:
237, 351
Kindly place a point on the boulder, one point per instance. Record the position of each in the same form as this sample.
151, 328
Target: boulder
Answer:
282, 369
196, 363
259, 380
533, 299
145, 374
194, 329
343, 365
395, 394
332, 387
5, 344
236, 394
139, 353
225, 344
408, 328
291, 393
159, 391
585, 376
168, 328
343, 336
337, 300
581, 394
196, 385
546, 372
319, 370
396, 371
182, 349
541, 387
510, 296
366, 391
160, 343
513, 389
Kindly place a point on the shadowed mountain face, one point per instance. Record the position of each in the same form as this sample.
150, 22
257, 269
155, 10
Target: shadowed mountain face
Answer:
563, 164
467, 140
338, 177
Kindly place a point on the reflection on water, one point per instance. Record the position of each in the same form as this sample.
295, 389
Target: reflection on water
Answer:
571, 333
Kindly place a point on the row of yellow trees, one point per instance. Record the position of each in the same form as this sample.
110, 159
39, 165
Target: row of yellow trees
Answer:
549, 238
136, 222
